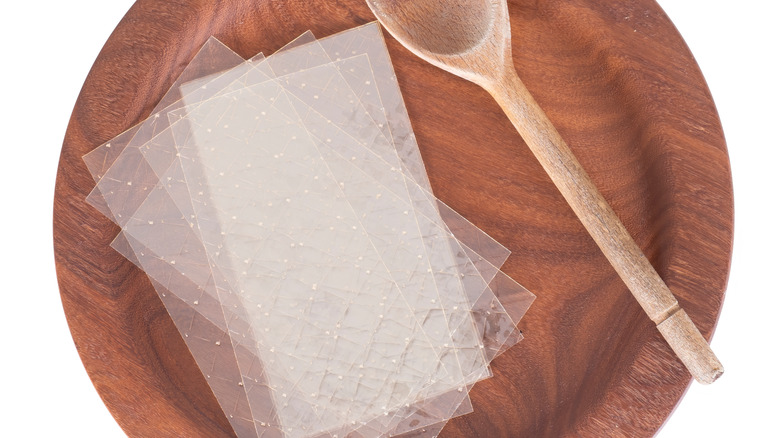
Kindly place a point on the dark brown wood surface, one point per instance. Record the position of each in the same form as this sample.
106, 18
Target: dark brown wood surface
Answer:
622, 88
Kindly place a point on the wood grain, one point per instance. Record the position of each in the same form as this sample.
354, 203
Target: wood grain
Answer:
622, 88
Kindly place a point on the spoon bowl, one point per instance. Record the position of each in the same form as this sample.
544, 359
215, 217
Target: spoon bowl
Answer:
454, 35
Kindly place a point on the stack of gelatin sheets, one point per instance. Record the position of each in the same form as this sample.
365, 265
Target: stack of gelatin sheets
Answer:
281, 208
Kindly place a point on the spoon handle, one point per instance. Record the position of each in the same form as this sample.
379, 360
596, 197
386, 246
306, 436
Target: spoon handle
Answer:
605, 227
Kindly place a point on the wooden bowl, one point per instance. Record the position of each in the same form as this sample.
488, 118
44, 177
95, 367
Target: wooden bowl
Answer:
621, 86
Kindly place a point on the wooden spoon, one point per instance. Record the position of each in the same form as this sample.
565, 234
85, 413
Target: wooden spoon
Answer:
471, 39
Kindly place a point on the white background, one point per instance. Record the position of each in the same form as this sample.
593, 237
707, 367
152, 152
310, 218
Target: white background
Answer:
49, 48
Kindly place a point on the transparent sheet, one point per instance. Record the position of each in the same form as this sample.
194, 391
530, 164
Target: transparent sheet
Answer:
383, 210
367, 40
309, 57
327, 138
361, 38
158, 214
496, 269
312, 205
351, 68
196, 302
383, 213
